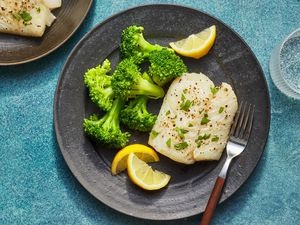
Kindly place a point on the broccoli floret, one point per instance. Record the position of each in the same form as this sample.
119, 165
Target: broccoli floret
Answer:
107, 129
165, 65
99, 85
133, 43
128, 82
136, 116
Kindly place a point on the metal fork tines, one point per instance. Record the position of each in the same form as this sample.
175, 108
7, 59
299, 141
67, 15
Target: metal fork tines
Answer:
239, 134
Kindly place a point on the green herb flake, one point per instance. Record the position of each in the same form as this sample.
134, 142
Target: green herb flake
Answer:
190, 125
203, 137
215, 139
185, 91
154, 134
168, 113
181, 132
221, 109
181, 145
186, 105
16, 16
214, 90
25, 16
201, 111
38, 9
205, 119
168, 142
182, 97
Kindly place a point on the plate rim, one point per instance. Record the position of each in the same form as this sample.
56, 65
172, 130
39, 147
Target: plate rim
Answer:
69, 162
56, 46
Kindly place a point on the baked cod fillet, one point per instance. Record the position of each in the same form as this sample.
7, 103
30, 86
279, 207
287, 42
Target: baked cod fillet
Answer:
195, 119
26, 17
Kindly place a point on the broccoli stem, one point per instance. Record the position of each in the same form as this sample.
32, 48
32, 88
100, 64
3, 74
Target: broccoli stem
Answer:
112, 117
146, 46
144, 87
143, 104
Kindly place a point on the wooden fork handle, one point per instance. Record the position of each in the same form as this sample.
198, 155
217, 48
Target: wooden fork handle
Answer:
213, 201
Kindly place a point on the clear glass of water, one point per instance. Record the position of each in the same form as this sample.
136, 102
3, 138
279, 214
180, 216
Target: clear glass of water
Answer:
285, 65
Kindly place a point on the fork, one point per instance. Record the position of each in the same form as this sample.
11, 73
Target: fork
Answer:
238, 139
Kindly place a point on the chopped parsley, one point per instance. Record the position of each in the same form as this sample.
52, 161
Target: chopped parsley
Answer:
181, 132
168, 113
205, 119
185, 104
185, 91
181, 145
203, 137
168, 142
25, 16
16, 16
214, 90
221, 109
38, 9
201, 111
190, 124
215, 139
154, 134
200, 139
182, 97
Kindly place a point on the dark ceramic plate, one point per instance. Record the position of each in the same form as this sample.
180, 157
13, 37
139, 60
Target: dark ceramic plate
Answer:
230, 60
17, 49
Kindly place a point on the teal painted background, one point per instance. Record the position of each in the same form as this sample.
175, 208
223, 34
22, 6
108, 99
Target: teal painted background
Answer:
36, 186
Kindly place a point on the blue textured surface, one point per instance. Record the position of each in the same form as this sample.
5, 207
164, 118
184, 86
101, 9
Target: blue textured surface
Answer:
36, 186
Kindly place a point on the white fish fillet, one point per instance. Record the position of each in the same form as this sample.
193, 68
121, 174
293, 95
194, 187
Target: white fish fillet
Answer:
26, 17
189, 140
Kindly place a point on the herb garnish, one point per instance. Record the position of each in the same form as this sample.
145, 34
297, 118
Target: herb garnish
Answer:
215, 139
168, 142
168, 113
190, 124
214, 90
181, 132
181, 145
221, 109
205, 119
185, 104
154, 134
201, 138
16, 16
25, 16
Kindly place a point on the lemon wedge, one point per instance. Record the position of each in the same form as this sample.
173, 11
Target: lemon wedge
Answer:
196, 45
143, 152
144, 176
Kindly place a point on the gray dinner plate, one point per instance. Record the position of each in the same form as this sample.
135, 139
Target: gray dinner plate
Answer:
230, 60
16, 49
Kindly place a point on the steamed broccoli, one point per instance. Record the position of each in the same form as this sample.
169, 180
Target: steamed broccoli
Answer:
165, 65
107, 129
136, 116
99, 85
133, 43
128, 82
